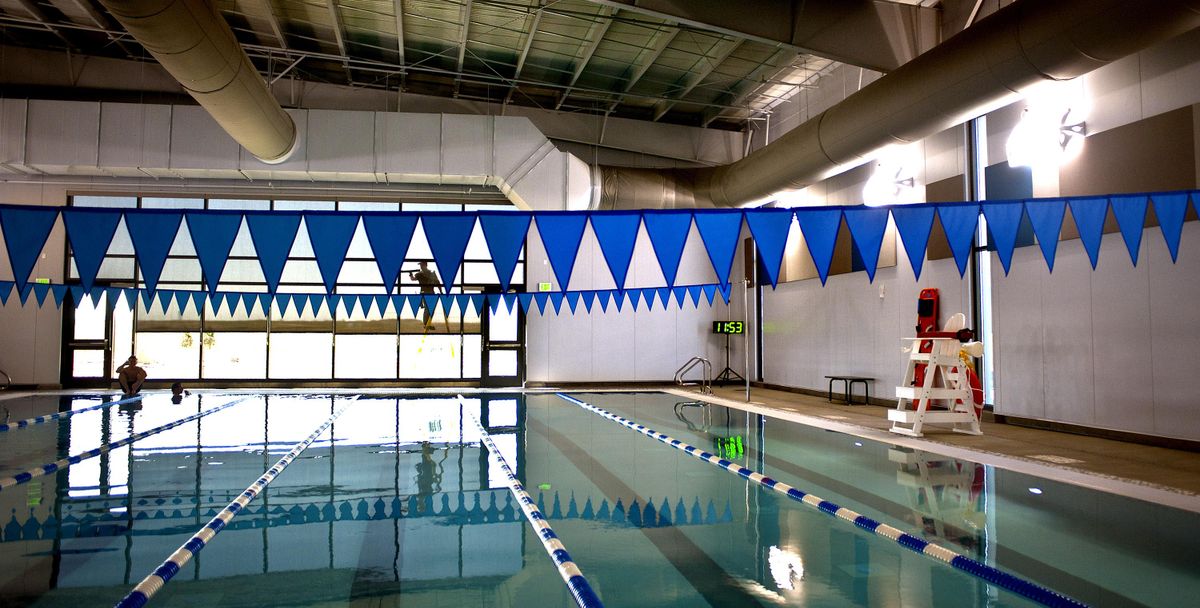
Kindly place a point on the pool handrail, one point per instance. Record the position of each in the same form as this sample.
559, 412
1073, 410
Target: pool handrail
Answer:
705, 382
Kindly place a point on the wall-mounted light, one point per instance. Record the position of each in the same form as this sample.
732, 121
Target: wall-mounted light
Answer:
894, 178
1052, 128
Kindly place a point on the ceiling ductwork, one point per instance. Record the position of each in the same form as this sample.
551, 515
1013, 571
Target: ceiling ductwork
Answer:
195, 44
978, 70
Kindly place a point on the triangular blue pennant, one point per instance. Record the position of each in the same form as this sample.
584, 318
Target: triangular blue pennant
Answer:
1089, 214
431, 303
636, 295
914, 223
283, 301
365, 303
389, 236
25, 232
1004, 223
6, 289
589, 298
90, 232
315, 302
616, 232
165, 297
560, 233
147, 300
619, 299
381, 303
493, 302
525, 299
1130, 212
330, 235
959, 222
664, 296
213, 234
301, 302
40, 291
25, 293
694, 292
399, 304
725, 291
77, 294
153, 233
504, 232
572, 300
448, 234
264, 303
604, 297
510, 302
680, 294
541, 299
414, 304
1046, 216
668, 232
128, 295
820, 226
1170, 209
556, 299
458, 300
720, 231
770, 230
867, 225
273, 235
60, 293
348, 303
477, 303
198, 299
710, 291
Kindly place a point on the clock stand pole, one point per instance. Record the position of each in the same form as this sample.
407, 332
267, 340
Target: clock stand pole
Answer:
727, 375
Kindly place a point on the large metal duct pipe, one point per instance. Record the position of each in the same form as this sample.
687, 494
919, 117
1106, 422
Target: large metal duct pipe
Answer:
195, 44
978, 70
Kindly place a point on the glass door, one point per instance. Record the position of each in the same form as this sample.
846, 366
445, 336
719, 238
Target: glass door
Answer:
503, 361
97, 336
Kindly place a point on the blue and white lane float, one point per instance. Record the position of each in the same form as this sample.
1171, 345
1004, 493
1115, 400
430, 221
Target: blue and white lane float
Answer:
1027, 589
578, 585
155, 581
48, 468
20, 424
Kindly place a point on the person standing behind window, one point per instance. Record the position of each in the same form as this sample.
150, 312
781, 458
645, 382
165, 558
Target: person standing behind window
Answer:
428, 280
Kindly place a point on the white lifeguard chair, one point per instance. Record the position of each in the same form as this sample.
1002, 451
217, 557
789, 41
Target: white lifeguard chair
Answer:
954, 393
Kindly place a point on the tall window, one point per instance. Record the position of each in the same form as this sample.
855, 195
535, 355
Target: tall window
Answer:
229, 342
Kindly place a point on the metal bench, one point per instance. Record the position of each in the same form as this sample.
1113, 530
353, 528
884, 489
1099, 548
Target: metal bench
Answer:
847, 383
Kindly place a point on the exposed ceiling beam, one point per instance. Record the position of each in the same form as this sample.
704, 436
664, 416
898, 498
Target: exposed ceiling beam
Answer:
595, 35
877, 35
99, 20
665, 38
36, 12
533, 30
738, 94
273, 21
464, 17
398, 7
696, 76
338, 33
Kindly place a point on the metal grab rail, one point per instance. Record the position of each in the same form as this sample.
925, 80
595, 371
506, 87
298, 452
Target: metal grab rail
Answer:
7, 380
705, 383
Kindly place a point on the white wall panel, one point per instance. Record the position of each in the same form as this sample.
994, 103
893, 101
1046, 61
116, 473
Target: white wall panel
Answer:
62, 134
408, 144
1174, 331
133, 136
198, 144
1018, 320
13, 113
1122, 351
341, 141
467, 147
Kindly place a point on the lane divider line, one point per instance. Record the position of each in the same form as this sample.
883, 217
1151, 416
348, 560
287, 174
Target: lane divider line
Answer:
1027, 589
578, 585
48, 468
20, 424
155, 581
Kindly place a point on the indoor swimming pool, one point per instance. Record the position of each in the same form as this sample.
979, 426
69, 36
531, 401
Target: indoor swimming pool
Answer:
397, 502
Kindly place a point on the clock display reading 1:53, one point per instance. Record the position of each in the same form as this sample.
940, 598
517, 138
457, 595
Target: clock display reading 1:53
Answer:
728, 327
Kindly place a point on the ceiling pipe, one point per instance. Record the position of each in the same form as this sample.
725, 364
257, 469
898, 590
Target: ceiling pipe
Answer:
979, 70
195, 44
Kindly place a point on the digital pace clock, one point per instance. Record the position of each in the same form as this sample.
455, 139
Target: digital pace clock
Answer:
728, 327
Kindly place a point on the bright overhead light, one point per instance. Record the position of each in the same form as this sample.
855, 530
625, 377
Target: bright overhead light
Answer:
1051, 128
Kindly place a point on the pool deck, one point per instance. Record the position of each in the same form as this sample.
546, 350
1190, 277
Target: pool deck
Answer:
1163, 468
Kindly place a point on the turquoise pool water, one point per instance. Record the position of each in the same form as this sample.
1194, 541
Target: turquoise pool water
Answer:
399, 505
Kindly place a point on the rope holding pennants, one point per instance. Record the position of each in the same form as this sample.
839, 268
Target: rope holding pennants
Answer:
154, 234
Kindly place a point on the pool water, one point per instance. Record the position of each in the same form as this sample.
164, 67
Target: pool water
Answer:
398, 504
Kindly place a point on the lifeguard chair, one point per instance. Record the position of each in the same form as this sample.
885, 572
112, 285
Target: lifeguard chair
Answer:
945, 384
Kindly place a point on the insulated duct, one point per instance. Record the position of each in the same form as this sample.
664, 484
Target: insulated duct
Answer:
977, 71
195, 44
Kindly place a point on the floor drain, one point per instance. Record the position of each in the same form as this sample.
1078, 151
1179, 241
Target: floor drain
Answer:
1055, 459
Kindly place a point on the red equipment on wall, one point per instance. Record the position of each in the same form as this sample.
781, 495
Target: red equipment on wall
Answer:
927, 321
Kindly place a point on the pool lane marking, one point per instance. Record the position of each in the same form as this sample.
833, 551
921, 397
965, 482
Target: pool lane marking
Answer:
48, 468
580, 589
20, 424
155, 581
1027, 589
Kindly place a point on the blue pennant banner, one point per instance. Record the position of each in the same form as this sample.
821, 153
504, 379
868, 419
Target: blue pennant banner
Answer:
770, 229
694, 292
505, 233
635, 298
573, 300
710, 291
1089, 217
556, 299
40, 291
820, 227
525, 299
273, 235
448, 235
25, 232
541, 298
330, 235
389, 236
90, 232
617, 234
560, 233
680, 294
668, 232
1130, 212
914, 223
720, 231
589, 298
867, 225
1046, 216
1004, 223
958, 222
1171, 209
213, 234
604, 297
6, 289
153, 233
